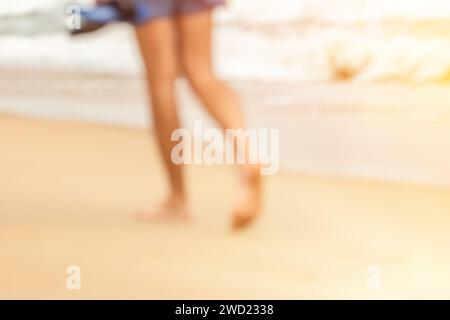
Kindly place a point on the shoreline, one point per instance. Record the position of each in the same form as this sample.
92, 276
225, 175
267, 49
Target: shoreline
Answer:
394, 132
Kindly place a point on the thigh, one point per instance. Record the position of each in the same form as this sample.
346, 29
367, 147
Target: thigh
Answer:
195, 43
158, 44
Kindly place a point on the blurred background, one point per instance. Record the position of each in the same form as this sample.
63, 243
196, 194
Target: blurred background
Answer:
360, 91
377, 68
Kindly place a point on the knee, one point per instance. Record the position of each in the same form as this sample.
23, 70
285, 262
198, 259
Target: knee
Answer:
162, 79
200, 77
162, 90
161, 76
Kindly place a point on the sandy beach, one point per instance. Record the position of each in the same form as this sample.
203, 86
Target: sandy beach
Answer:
359, 91
68, 192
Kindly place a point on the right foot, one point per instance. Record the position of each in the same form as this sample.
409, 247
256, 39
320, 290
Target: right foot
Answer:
173, 209
248, 206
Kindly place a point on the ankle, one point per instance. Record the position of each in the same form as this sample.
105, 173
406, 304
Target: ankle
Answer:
250, 172
177, 198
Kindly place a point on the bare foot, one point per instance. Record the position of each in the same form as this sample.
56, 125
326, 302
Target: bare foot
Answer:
248, 205
173, 209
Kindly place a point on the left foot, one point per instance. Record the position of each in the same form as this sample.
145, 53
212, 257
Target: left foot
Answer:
173, 209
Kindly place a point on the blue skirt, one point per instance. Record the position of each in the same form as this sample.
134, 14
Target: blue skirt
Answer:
147, 10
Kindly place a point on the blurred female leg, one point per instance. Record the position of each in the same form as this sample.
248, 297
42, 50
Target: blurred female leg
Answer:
220, 101
158, 42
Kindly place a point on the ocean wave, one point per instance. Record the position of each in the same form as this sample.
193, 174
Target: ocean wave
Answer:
263, 40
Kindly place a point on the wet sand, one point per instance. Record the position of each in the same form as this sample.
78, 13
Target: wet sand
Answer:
384, 131
68, 191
